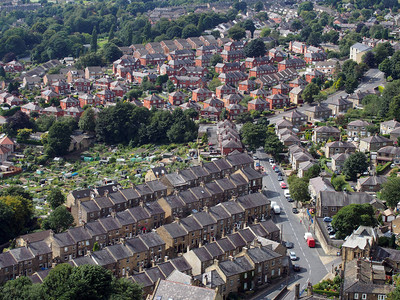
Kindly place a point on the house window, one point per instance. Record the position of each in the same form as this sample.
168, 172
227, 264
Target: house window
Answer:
364, 296
381, 297
272, 272
355, 295
65, 249
245, 285
245, 275
333, 208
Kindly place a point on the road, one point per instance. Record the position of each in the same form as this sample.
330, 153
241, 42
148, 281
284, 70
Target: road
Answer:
372, 79
312, 268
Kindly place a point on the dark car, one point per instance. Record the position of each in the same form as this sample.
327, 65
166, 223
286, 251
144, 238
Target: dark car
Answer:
290, 199
289, 245
295, 210
296, 268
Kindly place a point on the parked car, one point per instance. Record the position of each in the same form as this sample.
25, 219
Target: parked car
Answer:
283, 185
276, 170
290, 199
328, 219
280, 178
271, 161
289, 245
292, 255
295, 210
296, 268
287, 193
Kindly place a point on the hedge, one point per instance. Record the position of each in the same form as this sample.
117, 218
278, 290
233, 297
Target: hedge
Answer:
380, 169
326, 293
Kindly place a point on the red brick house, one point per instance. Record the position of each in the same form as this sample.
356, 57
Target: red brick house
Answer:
188, 82
211, 49
210, 113
234, 110
277, 55
232, 78
232, 99
235, 45
228, 67
292, 63
181, 54
75, 112
102, 83
192, 71
53, 111
201, 94
259, 93
93, 72
298, 82
224, 90
176, 64
246, 86
230, 145
14, 67
60, 87
214, 102
314, 74
203, 60
314, 57
86, 99
31, 108
176, 98
297, 47
232, 55
153, 101
257, 104
125, 62
49, 94
281, 89
277, 101
69, 102
106, 96
152, 59
81, 85
262, 70
118, 89
14, 101
252, 62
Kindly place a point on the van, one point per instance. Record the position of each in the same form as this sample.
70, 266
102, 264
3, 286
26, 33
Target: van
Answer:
307, 235
277, 209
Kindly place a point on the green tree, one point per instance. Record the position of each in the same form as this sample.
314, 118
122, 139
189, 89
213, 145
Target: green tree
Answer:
93, 42
305, 6
390, 192
253, 135
298, 189
216, 59
369, 59
310, 91
350, 84
394, 108
255, 48
266, 31
223, 115
87, 122
170, 86
273, 145
111, 33
350, 217
20, 289
213, 84
58, 139
16, 190
236, 32
111, 52
356, 163
190, 30
249, 25
7, 230
57, 284
19, 120
338, 183
2, 72
259, 6
23, 135
55, 198
313, 171
123, 289
22, 210
59, 220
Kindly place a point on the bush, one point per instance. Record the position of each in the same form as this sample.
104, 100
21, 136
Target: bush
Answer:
382, 168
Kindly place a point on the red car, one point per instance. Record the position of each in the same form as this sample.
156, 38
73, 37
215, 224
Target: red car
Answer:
283, 185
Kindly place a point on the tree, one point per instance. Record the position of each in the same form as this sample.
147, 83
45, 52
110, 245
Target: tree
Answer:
20, 289
111, 52
310, 91
16, 190
170, 86
111, 33
22, 211
391, 192
240, 6
266, 31
216, 59
305, 6
253, 135
255, 48
273, 145
223, 115
87, 122
190, 30
59, 220
338, 183
356, 163
350, 84
369, 59
258, 6
93, 42
249, 25
23, 135
19, 120
58, 139
2, 72
298, 189
350, 217
7, 230
55, 198
394, 108
236, 32
213, 84
313, 171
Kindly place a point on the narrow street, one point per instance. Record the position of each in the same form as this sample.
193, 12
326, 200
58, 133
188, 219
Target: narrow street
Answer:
309, 260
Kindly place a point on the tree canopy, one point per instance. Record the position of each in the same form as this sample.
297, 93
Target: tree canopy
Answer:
65, 282
253, 135
350, 217
55, 197
356, 163
255, 48
298, 188
390, 191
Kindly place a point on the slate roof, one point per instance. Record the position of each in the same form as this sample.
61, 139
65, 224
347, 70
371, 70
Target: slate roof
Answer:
175, 230
332, 198
180, 291
237, 266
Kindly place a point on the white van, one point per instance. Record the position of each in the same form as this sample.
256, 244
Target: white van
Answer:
286, 193
277, 209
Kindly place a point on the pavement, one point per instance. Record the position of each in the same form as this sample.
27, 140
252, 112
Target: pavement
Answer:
314, 263
372, 79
